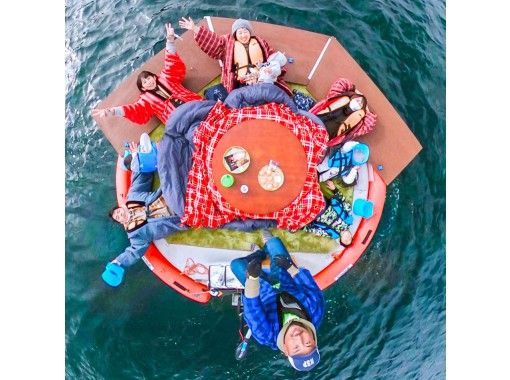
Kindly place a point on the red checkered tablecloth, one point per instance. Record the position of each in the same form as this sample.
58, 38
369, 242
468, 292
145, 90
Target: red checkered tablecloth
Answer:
204, 205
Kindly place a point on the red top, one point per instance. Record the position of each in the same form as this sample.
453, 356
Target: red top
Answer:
149, 104
222, 48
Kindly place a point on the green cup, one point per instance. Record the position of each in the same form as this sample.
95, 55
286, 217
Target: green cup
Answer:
227, 180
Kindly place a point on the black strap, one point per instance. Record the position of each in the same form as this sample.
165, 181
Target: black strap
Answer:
237, 68
250, 64
288, 299
161, 94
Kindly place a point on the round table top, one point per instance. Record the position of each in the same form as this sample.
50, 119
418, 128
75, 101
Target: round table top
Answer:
264, 140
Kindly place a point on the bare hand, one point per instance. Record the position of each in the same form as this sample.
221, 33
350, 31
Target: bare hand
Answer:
170, 34
133, 147
187, 24
101, 112
251, 78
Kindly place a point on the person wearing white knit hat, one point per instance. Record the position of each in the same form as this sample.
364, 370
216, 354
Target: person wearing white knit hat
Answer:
241, 24
239, 51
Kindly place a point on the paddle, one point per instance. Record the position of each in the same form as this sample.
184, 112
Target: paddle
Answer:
241, 349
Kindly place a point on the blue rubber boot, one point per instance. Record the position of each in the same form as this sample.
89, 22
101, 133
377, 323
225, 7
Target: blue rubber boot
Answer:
113, 274
274, 247
239, 266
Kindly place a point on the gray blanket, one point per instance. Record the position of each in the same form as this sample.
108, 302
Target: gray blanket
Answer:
176, 148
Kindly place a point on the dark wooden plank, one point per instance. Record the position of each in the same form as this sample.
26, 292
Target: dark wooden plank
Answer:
199, 72
302, 45
392, 144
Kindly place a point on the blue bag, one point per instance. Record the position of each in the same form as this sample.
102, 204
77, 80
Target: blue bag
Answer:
303, 102
216, 92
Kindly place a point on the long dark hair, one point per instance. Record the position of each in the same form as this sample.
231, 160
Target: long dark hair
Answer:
110, 213
146, 74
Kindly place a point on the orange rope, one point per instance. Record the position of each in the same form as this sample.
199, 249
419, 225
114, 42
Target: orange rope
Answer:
191, 267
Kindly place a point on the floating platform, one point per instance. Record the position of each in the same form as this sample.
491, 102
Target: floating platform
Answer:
316, 65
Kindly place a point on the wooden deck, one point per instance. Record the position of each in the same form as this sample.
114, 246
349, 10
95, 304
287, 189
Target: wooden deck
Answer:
317, 64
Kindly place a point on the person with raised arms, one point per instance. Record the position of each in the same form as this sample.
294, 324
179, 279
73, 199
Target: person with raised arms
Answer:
160, 94
241, 52
145, 218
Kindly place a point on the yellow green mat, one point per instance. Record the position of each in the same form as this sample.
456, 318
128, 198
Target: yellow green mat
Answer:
299, 241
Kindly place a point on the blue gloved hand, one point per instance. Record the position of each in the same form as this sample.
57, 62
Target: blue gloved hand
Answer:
284, 262
254, 268
113, 274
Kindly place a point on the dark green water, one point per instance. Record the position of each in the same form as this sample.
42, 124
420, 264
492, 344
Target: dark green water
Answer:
385, 318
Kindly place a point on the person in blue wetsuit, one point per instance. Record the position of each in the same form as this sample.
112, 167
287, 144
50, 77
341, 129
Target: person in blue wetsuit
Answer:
146, 217
285, 315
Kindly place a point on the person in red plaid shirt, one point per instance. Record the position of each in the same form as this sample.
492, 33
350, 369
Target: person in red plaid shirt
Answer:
223, 48
160, 94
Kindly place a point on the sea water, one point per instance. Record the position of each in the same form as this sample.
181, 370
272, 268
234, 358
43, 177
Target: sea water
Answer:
385, 318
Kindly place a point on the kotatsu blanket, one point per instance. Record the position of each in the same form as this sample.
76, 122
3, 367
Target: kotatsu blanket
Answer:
203, 205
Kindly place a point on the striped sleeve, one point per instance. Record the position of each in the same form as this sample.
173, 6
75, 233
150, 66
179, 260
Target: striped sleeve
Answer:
367, 124
174, 69
211, 43
139, 112
340, 85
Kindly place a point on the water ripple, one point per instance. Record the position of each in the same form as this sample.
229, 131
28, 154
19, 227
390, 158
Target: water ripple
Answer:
385, 318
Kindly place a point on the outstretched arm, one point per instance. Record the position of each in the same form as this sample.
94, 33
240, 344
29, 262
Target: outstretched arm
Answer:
188, 23
139, 112
133, 253
314, 299
105, 112
211, 43
174, 69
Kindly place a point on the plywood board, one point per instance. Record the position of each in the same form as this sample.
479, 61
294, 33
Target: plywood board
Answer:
303, 46
392, 144
199, 72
